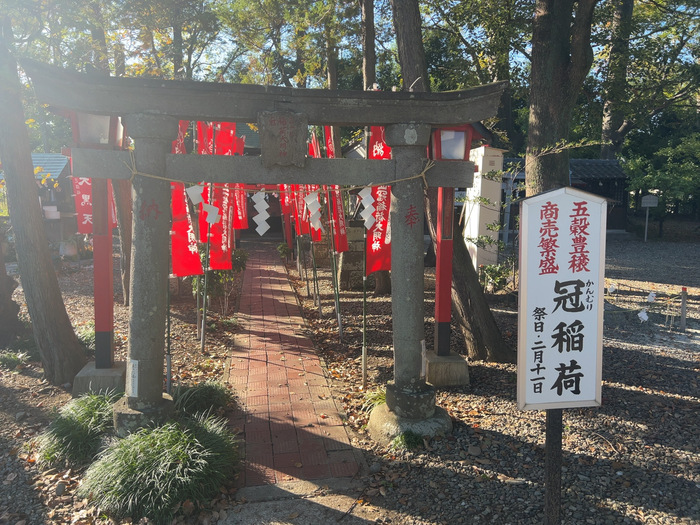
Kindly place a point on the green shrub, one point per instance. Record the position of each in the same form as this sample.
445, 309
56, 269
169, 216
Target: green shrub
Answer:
203, 397
284, 250
150, 472
75, 435
11, 360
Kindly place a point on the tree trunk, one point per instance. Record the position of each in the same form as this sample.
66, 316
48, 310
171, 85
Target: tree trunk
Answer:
561, 59
483, 337
382, 283
61, 353
409, 41
10, 325
369, 53
616, 82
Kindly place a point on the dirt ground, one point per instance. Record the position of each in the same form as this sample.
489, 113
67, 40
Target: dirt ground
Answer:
27, 401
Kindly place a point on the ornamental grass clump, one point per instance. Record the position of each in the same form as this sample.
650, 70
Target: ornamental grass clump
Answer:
149, 473
208, 396
76, 435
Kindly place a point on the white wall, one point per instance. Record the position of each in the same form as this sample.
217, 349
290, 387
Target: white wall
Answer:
477, 214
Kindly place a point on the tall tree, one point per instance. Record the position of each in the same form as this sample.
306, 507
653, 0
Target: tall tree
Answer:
650, 65
62, 354
561, 59
615, 86
482, 335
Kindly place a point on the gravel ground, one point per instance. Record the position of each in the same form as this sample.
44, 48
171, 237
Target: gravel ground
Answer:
636, 459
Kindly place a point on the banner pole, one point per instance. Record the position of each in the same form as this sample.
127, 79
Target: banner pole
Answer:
333, 253
364, 313
317, 290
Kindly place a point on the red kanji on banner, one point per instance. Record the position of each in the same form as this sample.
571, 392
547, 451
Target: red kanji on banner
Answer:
379, 235
82, 192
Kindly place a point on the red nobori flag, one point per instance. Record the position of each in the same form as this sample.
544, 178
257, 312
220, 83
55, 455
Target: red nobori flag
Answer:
339, 225
205, 138
377, 148
328, 134
301, 220
379, 235
220, 232
240, 213
185, 256
225, 140
286, 199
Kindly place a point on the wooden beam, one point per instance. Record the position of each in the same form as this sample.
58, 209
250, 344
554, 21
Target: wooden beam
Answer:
209, 101
250, 170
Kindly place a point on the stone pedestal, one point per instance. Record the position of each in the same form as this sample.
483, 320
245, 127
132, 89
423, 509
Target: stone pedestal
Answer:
384, 425
446, 370
131, 416
96, 380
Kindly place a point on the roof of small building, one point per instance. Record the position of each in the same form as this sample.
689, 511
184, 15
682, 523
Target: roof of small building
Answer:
580, 169
52, 165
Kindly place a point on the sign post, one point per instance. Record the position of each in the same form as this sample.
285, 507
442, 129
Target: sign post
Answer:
648, 201
560, 314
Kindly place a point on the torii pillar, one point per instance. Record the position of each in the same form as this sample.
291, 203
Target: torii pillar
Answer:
145, 401
410, 402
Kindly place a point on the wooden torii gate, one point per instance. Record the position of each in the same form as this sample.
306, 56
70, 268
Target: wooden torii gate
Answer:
151, 110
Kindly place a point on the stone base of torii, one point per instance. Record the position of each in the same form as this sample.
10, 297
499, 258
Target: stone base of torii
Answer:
151, 110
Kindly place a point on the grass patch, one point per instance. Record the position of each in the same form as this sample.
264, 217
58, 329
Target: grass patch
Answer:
203, 397
76, 435
408, 440
374, 398
11, 360
150, 472
86, 335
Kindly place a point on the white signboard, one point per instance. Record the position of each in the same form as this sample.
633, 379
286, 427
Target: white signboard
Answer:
560, 310
650, 201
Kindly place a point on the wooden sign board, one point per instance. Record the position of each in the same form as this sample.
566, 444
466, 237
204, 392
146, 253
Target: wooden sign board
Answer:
283, 138
560, 310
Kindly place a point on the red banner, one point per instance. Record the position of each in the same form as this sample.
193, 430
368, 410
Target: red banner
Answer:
340, 233
377, 148
240, 215
220, 233
379, 235
328, 134
185, 256
205, 138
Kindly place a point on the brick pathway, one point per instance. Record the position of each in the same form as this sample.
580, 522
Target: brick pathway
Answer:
290, 426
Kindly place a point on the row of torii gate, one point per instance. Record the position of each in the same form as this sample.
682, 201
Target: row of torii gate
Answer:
151, 110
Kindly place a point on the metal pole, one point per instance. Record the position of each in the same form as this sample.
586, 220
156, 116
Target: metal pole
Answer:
646, 225
206, 285
364, 312
168, 355
333, 253
317, 290
552, 466
684, 306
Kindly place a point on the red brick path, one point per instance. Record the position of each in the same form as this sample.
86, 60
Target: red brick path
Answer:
291, 428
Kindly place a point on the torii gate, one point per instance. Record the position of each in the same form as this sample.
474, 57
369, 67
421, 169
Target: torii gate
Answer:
151, 110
